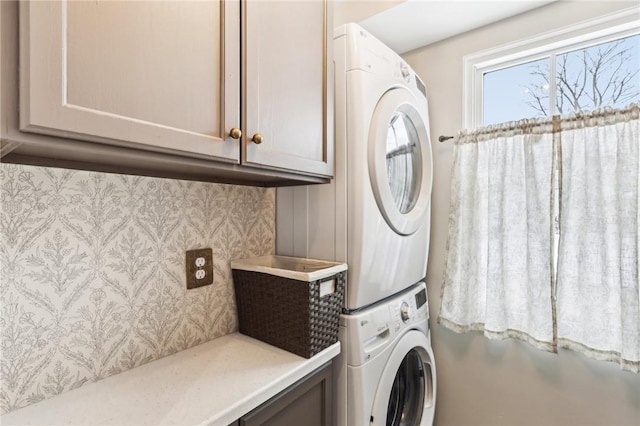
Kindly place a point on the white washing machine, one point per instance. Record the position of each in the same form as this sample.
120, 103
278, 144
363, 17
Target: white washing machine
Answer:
375, 215
390, 369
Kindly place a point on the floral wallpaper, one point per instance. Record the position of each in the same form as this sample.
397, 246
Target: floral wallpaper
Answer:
92, 279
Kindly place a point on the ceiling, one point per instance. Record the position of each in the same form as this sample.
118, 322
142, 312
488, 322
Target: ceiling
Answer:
416, 23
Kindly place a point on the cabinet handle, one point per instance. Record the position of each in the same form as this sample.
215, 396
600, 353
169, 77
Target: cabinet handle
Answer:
257, 138
235, 133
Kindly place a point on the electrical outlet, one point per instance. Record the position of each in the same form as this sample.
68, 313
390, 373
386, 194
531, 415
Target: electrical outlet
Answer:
199, 267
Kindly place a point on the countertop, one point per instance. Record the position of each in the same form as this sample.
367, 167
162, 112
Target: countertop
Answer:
214, 383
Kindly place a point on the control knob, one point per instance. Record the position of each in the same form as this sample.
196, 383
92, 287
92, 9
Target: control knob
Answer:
405, 312
404, 70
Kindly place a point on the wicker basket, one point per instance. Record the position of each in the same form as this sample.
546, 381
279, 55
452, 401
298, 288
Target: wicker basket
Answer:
291, 303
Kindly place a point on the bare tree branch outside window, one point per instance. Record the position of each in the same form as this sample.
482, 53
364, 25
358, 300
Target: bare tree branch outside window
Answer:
602, 75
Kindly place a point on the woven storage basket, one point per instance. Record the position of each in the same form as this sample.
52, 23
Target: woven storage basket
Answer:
284, 307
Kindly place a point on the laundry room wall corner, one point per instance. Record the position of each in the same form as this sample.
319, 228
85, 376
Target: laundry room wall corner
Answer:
291, 221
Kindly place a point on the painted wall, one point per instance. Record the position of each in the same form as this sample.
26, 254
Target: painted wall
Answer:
346, 11
483, 382
92, 279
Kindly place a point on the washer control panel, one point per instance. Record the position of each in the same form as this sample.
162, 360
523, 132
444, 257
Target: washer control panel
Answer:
371, 330
409, 309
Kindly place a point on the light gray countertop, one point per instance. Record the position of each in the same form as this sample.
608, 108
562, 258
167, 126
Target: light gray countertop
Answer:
211, 384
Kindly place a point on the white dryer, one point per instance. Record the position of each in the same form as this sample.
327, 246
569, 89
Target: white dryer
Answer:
375, 215
390, 175
390, 369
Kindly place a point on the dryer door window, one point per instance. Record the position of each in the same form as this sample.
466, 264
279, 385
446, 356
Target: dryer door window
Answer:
403, 161
399, 159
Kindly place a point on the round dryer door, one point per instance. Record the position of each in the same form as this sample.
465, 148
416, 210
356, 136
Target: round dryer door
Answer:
406, 394
400, 165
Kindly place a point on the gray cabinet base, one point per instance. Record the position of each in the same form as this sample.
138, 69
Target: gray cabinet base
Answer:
308, 402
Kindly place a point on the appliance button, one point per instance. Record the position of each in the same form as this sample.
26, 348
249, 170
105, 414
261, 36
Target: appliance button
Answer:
405, 312
404, 70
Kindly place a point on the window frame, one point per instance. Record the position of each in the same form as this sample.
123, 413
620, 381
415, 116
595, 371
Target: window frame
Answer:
584, 34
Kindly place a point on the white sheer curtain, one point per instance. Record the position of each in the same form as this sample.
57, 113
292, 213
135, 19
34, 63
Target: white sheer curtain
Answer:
598, 298
498, 274
508, 183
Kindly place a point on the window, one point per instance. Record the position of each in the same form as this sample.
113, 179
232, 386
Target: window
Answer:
584, 67
403, 161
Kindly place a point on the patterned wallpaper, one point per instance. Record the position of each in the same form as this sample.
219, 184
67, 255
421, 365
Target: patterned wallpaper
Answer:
92, 280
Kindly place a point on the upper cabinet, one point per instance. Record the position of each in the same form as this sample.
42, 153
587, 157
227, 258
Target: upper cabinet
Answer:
286, 82
155, 88
160, 74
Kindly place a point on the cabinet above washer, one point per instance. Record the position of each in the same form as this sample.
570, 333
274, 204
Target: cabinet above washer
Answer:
174, 89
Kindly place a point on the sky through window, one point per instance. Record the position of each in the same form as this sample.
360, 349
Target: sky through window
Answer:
607, 74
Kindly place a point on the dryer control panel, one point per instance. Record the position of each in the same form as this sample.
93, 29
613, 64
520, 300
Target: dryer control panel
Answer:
375, 57
372, 330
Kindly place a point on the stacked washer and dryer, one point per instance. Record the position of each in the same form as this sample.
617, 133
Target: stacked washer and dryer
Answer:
375, 216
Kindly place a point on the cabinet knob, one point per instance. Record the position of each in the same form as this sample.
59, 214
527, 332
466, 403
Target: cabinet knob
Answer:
235, 133
257, 138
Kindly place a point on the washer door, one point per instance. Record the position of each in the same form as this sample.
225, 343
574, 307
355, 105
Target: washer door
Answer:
406, 394
400, 165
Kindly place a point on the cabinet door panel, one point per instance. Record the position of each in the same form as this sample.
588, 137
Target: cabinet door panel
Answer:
308, 402
286, 81
161, 74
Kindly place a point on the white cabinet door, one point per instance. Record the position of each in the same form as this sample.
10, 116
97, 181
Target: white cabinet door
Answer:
159, 75
287, 85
